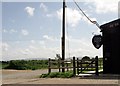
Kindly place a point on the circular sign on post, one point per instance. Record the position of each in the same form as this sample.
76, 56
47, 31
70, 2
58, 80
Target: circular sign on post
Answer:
97, 41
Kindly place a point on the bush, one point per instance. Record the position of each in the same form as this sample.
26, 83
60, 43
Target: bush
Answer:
43, 75
58, 75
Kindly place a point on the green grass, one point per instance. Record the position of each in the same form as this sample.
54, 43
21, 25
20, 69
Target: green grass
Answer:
58, 75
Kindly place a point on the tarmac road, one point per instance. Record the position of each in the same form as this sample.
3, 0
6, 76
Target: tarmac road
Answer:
14, 76
21, 74
32, 77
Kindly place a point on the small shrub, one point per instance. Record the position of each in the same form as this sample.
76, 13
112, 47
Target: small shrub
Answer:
43, 75
69, 75
58, 75
53, 75
33, 68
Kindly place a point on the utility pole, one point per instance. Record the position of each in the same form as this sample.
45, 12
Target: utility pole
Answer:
63, 37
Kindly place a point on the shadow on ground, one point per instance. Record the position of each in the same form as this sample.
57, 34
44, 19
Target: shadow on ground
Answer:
101, 76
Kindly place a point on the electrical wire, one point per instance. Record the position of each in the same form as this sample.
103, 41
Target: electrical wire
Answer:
94, 22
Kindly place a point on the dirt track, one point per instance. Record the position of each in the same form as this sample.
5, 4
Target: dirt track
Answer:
32, 77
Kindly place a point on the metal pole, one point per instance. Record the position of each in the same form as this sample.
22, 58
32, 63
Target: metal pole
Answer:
63, 37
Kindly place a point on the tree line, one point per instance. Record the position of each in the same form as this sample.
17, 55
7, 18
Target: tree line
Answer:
25, 64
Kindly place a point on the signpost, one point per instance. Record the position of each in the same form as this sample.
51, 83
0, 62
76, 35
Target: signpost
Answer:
97, 41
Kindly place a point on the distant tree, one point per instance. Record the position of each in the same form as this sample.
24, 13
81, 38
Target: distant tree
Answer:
85, 58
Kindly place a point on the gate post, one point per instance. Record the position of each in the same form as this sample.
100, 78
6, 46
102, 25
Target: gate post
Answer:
77, 66
59, 62
81, 66
49, 66
74, 67
96, 65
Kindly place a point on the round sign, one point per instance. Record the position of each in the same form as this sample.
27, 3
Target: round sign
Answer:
97, 41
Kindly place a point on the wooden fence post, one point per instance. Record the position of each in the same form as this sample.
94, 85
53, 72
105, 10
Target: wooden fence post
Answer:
96, 64
74, 67
81, 65
77, 66
49, 66
67, 66
59, 64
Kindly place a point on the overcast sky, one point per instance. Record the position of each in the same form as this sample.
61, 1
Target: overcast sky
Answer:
33, 29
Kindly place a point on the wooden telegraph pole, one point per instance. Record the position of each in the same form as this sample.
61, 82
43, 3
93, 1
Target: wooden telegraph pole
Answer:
63, 37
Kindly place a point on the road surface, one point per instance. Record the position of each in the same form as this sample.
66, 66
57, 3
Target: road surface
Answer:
32, 77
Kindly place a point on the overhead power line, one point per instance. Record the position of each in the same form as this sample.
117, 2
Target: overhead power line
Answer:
94, 22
